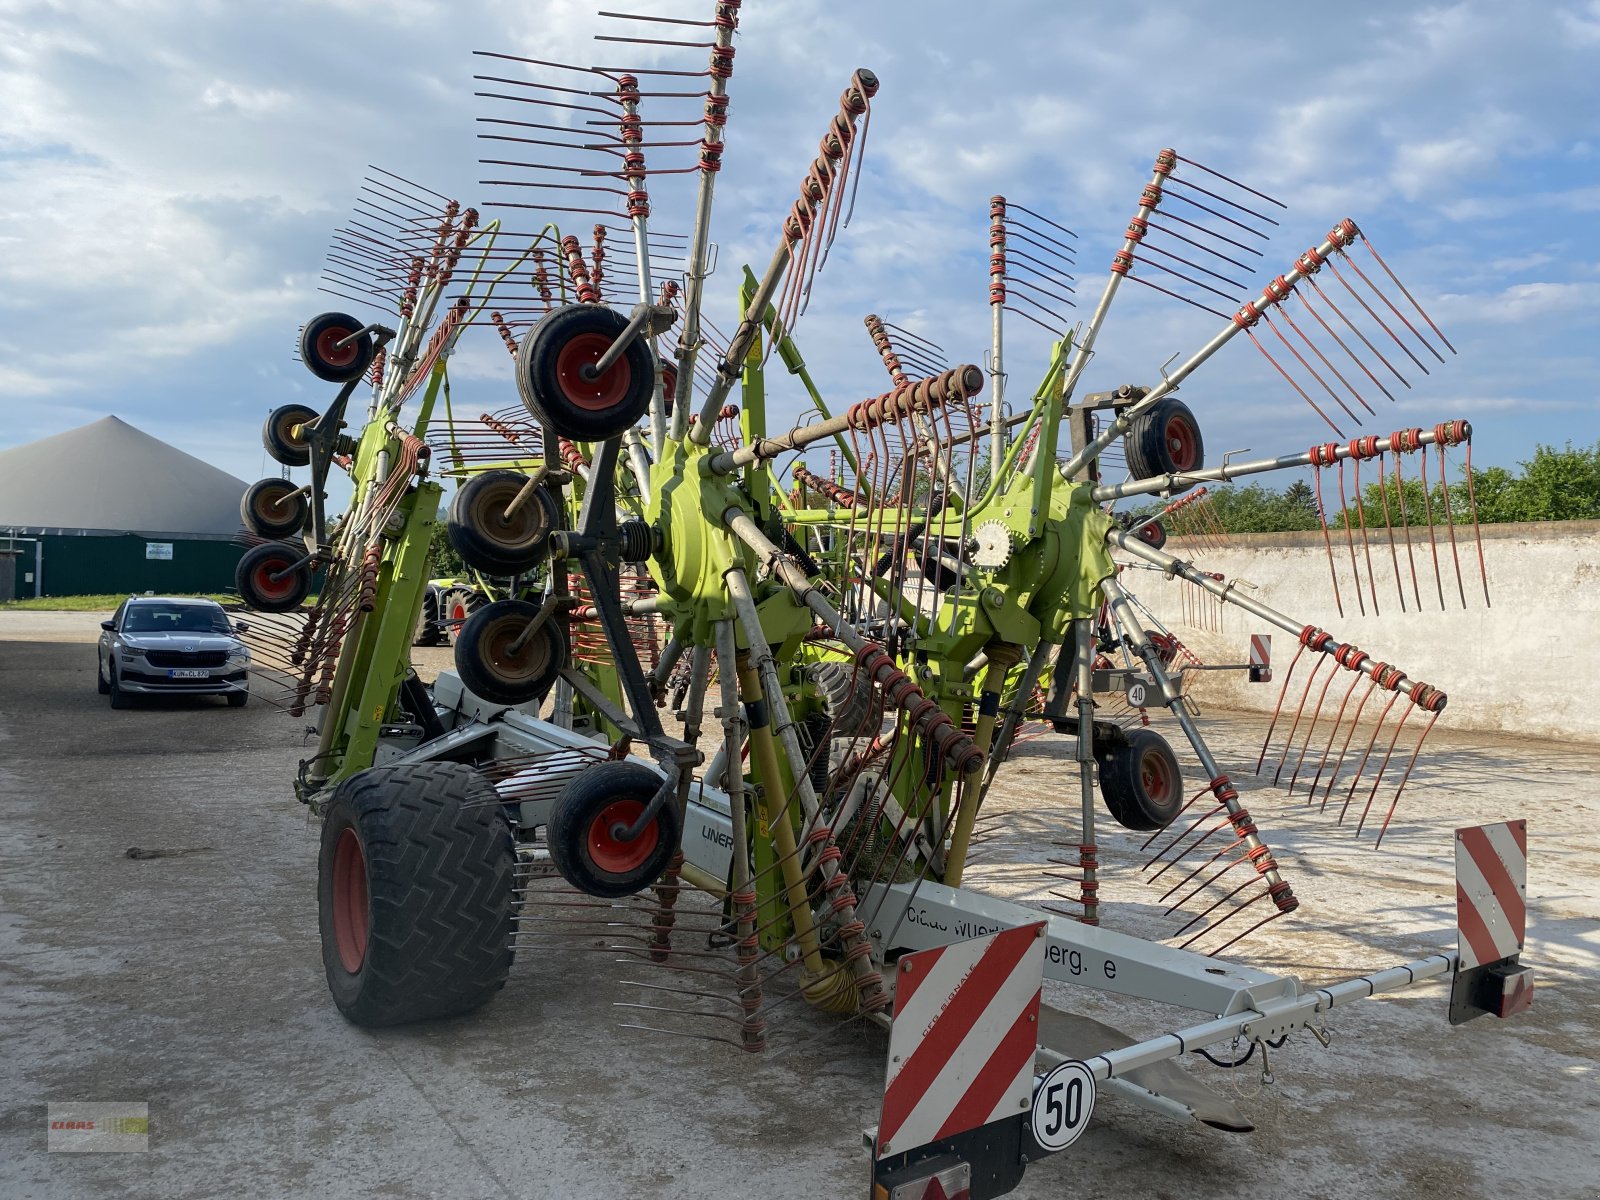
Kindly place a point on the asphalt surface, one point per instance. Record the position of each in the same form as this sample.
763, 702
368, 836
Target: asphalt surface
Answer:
191, 980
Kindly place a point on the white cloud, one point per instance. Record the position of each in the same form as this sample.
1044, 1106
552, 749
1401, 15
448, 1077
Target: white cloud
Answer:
169, 174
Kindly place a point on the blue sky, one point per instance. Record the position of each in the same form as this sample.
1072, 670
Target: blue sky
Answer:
171, 172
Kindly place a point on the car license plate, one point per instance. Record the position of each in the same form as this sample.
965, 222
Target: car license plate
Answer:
188, 673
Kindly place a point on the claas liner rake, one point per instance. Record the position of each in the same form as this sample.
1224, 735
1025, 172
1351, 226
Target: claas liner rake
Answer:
857, 617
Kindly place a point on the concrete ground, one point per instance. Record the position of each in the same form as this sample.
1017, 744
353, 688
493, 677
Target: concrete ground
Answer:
192, 981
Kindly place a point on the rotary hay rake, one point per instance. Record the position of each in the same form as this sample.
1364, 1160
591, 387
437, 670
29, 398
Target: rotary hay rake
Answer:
943, 579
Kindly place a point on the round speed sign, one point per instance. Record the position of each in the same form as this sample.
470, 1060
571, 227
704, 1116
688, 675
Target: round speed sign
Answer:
1062, 1105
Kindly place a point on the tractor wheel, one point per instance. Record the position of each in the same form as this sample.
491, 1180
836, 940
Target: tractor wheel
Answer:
1141, 782
1165, 440
414, 893
848, 697
280, 438
268, 580
325, 358
456, 605
489, 667
550, 373
586, 826
274, 508
429, 631
487, 539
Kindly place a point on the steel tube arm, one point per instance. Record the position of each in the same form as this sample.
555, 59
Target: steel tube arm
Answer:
1454, 431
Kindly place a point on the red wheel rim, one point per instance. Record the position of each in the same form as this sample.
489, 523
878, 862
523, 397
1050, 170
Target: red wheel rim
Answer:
459, 612
669, 381
329, 352
1156, 777
269, 588
1181, 438
606, 847
351, 920
602, 393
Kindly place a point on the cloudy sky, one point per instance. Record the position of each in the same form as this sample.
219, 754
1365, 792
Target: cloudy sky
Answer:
172, 170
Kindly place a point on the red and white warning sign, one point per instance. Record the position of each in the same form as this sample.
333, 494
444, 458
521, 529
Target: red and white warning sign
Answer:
1491, 892
1260, 658
966, 1027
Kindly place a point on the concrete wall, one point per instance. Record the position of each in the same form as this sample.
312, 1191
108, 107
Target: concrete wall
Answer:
1530, 664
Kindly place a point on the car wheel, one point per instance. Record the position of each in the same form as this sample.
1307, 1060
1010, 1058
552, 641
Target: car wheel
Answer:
119, 698
100, 676
239, 698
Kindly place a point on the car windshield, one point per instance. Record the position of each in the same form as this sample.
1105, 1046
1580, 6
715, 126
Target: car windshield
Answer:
174, 618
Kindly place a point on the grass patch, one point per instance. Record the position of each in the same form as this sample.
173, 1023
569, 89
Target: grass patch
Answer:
102, 603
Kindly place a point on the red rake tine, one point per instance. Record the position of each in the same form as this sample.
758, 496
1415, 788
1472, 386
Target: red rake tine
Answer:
1384, 766
1328, 329
1373, 250
1315, 349
1312, 729
1366, 545
1300, 391
1177, 904
1362, 765
1393, 804
1239, 938
1333, 733
1322, 519
1349, 537
1350, 325
1357, 297
1405, 524
1388, 524
1472, 503
1433, 541
1450, 523
1213, 908
1300, 358
1354, 266
1282, 692
1299, 712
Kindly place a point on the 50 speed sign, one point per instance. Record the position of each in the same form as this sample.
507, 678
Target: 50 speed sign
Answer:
1062, 1104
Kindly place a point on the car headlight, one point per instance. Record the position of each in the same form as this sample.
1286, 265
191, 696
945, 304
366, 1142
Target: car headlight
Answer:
240, 655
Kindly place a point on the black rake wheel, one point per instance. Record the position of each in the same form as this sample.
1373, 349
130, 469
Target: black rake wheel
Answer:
493, 542
414, 893
1164, 440
589, 819
1152, 534
1141, 782
282, 437
325, 357
493, 666
274, 508
551, 374
268, 580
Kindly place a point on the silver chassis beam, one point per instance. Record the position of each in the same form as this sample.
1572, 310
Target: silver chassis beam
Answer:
902, 917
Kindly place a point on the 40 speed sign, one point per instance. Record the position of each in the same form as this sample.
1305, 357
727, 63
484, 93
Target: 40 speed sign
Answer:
1062, 1104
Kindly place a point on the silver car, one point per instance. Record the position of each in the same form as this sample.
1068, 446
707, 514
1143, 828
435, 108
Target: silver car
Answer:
155, 646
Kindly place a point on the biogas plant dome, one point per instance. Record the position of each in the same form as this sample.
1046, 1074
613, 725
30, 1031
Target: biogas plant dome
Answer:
109, 478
